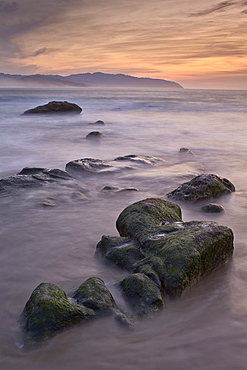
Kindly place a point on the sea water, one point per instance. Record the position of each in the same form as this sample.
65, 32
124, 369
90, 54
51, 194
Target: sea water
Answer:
205, 329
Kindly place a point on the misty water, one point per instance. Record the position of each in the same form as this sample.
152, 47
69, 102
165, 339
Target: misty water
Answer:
205, 329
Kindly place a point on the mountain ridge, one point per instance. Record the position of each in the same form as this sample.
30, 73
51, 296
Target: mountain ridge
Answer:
95, 79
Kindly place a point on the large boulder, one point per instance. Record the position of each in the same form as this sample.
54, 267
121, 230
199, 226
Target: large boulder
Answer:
172, 254
201, 187
55, 107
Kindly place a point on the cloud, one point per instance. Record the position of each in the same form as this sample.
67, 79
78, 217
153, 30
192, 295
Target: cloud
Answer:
6, 7
217, 8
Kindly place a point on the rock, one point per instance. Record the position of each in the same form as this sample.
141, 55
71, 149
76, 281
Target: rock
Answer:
143, 159
119, 164
94, 295
55, 107
212, 208
51, 180
110, 189
201, 187
186, 151
117, 190
123, 252
142, 294
143, 217
173, 254
49, 311
127, 190
99, 122
88, 165
94, 135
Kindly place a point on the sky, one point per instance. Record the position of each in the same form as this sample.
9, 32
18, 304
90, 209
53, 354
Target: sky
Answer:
195, 43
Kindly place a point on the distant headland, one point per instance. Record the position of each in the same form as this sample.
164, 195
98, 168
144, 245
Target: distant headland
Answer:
96, 79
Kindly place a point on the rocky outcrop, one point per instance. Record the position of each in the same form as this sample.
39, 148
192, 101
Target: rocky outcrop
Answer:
172, 253
55, 107
201, 187
163, 254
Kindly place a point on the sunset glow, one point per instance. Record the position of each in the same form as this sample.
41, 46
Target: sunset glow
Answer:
197, 44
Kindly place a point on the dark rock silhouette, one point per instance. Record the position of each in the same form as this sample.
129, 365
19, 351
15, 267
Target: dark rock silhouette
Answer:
94, 135
55, 107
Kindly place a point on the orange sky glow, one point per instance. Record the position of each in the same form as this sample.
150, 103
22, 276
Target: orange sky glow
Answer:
197, 44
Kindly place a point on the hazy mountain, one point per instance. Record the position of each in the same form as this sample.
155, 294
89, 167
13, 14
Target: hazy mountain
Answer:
22, 81
120, 80
96, 79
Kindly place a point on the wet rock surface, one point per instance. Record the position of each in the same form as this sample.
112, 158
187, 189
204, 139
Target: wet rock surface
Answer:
119, 164
173, 254
212, 208
55, 107
51, 182
201, 187
163, 255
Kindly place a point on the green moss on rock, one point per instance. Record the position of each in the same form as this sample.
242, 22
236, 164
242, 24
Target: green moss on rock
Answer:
121, 251
139, 219
48, 311
142, 293
201, 187
94, 295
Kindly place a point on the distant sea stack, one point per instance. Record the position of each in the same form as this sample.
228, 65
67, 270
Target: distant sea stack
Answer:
97, 79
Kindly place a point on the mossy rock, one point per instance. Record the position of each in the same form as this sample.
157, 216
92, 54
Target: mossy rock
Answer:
94, 295
173, 254
49, 311
123, 252
201, 187
142, 293
140, 219
181, 258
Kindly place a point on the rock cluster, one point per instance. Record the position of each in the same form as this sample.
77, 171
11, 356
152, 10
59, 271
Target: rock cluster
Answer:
163, 255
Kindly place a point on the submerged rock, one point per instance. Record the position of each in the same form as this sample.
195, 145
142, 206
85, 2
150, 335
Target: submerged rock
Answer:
94, 135
212, 208
116, 190
172, 254
186, 151
119, 164
50, 180
55, 107
99, 122
201, 187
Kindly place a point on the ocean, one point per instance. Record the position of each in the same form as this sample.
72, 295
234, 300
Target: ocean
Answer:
205, 329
